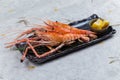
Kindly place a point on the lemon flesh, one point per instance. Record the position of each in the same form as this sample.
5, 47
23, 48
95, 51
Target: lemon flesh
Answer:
100, 24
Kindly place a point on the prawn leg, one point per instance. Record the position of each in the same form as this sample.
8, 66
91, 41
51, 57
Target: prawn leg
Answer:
10, 44
51, 51
25, 52
49, 47
80, 41
46, 53
42, 55
28, 32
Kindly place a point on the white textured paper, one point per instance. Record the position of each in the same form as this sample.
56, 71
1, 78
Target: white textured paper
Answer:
91, 63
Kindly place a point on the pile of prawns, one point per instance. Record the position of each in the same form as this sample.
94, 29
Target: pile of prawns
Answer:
52, 34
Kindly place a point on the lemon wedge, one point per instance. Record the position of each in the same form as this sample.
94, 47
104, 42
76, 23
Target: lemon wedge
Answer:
100, 24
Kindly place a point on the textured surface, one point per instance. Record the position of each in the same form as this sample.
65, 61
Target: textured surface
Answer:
89, 64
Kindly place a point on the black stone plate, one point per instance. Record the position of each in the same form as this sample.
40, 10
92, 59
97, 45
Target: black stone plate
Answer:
81, 24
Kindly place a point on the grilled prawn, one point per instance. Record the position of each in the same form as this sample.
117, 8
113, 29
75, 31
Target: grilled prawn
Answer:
52, 34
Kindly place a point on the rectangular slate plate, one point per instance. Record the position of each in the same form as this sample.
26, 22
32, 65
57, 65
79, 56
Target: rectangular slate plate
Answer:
82, 24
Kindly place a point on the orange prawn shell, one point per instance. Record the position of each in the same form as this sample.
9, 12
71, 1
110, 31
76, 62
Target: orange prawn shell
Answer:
53, 37
65, 28
56, 37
